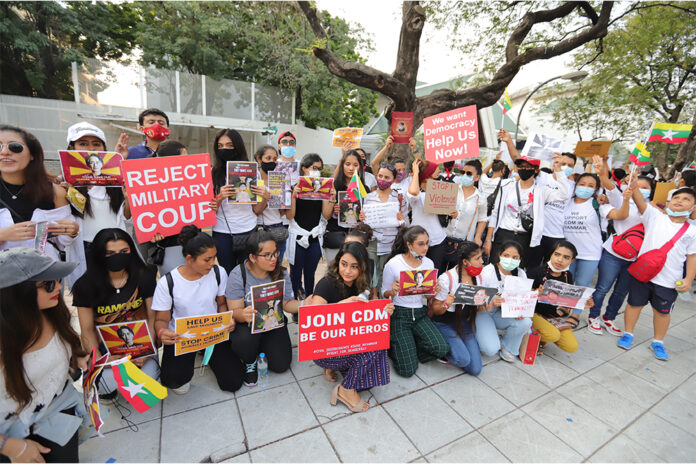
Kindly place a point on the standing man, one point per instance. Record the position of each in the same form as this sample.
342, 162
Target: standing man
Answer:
287, 144
154, 124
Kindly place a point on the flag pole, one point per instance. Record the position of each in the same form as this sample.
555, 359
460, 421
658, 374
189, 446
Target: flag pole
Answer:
647, 135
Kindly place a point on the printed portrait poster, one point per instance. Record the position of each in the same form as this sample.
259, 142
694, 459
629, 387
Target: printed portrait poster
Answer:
91, 168
562, 294
169, 192
348, 211
420, 282
519, 304
199, 332
291, 170
341, 329
242, 175
276, 188
380, 215
267, 301
440, 197
401, 126
542, 147
127, 338
451, 135
89, 389
315, 188
352, 135
474, 295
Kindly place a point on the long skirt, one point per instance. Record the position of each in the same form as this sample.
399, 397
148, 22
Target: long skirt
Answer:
360, 371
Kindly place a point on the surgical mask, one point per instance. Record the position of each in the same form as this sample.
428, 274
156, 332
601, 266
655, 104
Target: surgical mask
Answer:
314, 173
509, 264
383, 184
287, 152
400, 176
568, 171
226, 154
551, 266
268, 167
525, 174
464, 180
646, 193
677, 213
416, 255
118, 262
156, 132
473, 271
584, 192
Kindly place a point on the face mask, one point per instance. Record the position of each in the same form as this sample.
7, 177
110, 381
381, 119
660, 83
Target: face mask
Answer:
383, 184
156, 132
568, 171
226, 154
584, 192
314, 174
646, 193
118, 262
400, 176
464, 180
416, 255
525, 173
268, 167
287, 152
677, 213
557, 270
473, 271
509, 264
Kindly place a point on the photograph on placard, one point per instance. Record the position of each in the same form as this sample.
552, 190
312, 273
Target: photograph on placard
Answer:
348, 211
315, 188
401, 126
130, 338
91, 168
276, 188
242, 175
542, 147
418, 282
267, 301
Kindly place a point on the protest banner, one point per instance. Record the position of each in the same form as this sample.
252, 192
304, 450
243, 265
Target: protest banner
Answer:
562, 294
451, 135
662, 190
420, 282
590, 149
127, 338
91, 168
200, 332
351, 135
242, 175
440, 197
542, 147
518, 304
315, 188
401, 126
474, 295
89, 389
276, 187
167, 193
348, 211
267, 301
380, 215
341, 329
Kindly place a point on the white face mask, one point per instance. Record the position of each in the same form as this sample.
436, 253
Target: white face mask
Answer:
557, 270
314, 174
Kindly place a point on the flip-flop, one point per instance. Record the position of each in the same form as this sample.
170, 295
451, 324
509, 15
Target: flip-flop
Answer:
574, 321
562, 312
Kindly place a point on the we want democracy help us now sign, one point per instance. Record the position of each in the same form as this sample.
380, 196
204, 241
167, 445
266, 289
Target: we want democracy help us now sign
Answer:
451, 135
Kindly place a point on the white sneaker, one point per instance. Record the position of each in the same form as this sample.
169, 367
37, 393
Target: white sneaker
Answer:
594, 325
611, 327
182, 390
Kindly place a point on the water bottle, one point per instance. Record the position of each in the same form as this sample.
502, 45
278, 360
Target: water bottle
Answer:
262, 367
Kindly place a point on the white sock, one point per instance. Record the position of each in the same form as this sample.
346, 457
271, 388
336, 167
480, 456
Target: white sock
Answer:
655, 340
628, 333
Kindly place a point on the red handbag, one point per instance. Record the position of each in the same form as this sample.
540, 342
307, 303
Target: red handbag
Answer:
649, 264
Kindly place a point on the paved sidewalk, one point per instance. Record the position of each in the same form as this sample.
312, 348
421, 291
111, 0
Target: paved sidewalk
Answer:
601, 404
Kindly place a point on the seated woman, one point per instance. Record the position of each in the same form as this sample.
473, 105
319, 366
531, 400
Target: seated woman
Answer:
261, 267
194, 289
117, 287
414, 337
38, 347
347, 278
456, 322
488, 322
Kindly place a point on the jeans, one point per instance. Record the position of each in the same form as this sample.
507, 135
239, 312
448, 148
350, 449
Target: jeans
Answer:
487, 324
611, 269
226, 256
306, 261
583, 270
464, 350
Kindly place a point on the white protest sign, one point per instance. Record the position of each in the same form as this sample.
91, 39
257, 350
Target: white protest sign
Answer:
518, 304
379, 215
542, 147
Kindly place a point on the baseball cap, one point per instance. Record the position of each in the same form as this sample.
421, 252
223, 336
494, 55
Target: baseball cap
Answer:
22, 264
285, 134
79, 130
532, 161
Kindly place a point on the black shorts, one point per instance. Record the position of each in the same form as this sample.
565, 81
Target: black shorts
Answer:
661, 298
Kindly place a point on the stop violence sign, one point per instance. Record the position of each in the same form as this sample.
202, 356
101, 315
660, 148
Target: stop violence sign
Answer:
451, 135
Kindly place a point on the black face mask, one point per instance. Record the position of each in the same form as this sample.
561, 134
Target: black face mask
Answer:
525, 173
226, 154
118, 262
268, 167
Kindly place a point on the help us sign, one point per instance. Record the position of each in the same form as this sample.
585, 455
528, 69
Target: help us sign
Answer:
451, 135
167, 193
341, 329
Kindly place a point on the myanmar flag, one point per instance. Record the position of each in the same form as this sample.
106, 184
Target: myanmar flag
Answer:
356, 190
640, 156
670, 133
139, 389
507, 103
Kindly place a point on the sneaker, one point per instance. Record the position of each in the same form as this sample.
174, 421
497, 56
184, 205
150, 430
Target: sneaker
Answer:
505, 355
108, 398
625, 341
251, 376
658, 350
611, 327
594, 326
182, 390
443, 360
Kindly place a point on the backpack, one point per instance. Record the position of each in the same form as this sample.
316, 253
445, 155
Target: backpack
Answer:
491, 198
170, 282
627, 245
648, 265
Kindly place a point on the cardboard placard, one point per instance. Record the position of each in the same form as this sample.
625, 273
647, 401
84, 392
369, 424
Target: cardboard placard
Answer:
348, 211
519, 304
451, 135
401, 126
127, 338
440, 197
662, 190
351, 135
167, 193
267, 301
419, 282
381, 215
341, 329
542, 147
200, 332
562, 294
242, 175
315, 188
589, 149
91, 167
474, 295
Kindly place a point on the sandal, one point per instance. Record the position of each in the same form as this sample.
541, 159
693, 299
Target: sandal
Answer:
335, 397
330, 375
562, 312
540, 350
574, 321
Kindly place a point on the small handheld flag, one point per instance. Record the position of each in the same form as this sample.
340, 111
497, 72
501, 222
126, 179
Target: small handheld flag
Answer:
355, 188
669, 133
139, 389
507, 103
640, 156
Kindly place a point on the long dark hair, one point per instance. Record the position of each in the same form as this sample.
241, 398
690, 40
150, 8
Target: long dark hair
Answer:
465, 313
20, 328
253, 247
359, 252
219, 171
405, 235
340, 183
37, 186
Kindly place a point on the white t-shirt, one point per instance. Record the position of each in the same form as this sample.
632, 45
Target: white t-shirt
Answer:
510, 220
581, 227
392, 272
554, 212
429, 222
370, 181
191, 297
488, 277
620, 227
659, 229
234, 218
464, 225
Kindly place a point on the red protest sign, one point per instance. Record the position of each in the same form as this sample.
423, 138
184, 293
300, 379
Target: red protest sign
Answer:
451, 135
330, 330
167, 193
401, 126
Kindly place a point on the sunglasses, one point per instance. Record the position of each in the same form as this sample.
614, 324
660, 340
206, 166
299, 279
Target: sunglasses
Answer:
14, 147
387, 165
286, 143
48, 285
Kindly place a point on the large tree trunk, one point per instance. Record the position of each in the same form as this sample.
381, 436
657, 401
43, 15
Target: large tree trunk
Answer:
686, 153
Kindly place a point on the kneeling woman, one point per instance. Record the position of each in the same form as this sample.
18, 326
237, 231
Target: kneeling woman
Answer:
346, 278
414, 337
456, 322
196, 288
262, 266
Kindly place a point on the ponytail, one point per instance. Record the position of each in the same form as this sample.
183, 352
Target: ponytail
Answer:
405, 235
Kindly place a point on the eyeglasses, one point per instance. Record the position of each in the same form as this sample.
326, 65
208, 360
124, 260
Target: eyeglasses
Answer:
48, 285
14, 147
269, 256
288, 143
387, 165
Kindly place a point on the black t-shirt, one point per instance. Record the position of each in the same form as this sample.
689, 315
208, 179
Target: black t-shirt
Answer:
126, 305
308, 214
333, 292
541, 275
21, 210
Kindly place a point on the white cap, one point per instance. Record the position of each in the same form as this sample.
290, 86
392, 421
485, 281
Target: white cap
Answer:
79, 130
